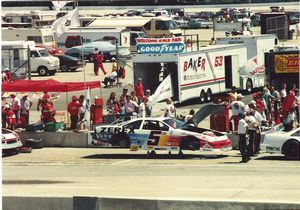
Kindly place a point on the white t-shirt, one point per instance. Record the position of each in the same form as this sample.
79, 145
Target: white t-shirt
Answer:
250, 120
242, 127
170, 110
258, 117
15, 104
237, 107
130, 107
82, 108
283, 93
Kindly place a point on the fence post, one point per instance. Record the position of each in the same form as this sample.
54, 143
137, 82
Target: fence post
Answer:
29, 62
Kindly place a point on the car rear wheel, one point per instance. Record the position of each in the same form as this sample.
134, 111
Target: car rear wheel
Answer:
42, 71
291, 150
64, 68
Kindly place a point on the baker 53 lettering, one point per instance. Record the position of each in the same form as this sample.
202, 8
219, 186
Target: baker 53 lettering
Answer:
218, 61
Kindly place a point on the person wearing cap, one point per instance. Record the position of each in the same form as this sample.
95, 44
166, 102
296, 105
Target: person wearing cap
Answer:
237, 107
15, 105
123, 95
242, 131
44, 97
26, 104
11, 120
139, 89
73, 109
47, 109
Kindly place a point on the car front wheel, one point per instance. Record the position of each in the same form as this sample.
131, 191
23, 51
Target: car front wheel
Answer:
42, 71
64, 68
291, 150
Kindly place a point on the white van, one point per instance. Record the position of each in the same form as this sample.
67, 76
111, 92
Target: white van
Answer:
16, 55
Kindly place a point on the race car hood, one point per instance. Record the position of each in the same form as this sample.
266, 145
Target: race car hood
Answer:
204, 112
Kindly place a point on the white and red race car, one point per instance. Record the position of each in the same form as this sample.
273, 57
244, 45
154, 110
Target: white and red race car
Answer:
10, 141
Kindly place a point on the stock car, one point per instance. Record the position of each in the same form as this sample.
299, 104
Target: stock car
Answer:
283, 142
10, 141
160, 134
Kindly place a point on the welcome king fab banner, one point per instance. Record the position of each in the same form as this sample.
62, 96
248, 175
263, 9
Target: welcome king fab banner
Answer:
160, 45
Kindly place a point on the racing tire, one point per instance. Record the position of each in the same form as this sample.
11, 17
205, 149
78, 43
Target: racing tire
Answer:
64, 68
34, 143
51, 73
291, 150
208, 97
202, 97
249, 86
121, 140
189, 143
43, 71
151, 154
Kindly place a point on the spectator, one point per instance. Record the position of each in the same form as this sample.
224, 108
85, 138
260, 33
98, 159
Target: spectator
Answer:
26, 104
139, 89
82, 108
73, 109
259, 120
4, 77
11, 121
108, 81
170, 110
134, 97
252, 126
268, 99
4, 102
111, 102
260, 103
242, 131
233, 94
148, 109
15, 105
100, 58
237, 107
283, 92
123, 95
297, 104
8, 74
191, 114
212, 41
142, 109
95, 60
290, 121
114, 64
122, 109
48, 111
130, 107
45, 95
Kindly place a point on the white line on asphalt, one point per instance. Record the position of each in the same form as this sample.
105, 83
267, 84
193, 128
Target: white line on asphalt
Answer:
69, 187
212, 165
123, 161
199, 189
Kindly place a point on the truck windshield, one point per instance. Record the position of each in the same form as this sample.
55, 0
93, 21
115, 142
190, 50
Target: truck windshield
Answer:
43, 53
166, 25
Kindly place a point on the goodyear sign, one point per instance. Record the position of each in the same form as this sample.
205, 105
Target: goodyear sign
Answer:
160, 45
287, 63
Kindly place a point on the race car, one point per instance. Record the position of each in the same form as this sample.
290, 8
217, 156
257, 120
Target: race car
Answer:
10, 141
282, 142
160, 134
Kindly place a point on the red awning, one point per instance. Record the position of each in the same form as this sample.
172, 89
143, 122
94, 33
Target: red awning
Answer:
49, 85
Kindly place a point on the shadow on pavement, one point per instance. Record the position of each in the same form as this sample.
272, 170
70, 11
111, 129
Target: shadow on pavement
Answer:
157, 156
282, 158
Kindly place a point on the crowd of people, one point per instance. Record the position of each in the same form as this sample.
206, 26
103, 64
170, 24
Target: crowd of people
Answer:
268, 108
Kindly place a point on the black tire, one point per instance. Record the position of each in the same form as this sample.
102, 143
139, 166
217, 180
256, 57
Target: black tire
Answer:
189, 143
53, 72
202, 97
34, 143
291, 150
64, 68
43, 71
249, 86
208, 95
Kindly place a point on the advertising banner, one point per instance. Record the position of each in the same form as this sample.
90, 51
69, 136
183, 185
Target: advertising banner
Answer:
160, 45
287, 63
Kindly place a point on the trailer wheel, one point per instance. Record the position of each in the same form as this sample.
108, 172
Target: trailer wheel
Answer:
208, 95
42, 71
202, 97
249, 86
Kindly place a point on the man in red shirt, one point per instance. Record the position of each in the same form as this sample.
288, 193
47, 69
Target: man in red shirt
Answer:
139, 89
73, 109
100, 58
47, 110
10, 117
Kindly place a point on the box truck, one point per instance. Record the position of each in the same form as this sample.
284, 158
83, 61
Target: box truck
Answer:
198, 74
16, 55
253, 74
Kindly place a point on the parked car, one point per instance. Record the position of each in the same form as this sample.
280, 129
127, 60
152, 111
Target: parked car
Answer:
199, 23
11, 141
181, 21
283, 142
160, 134
109, 50
69, 63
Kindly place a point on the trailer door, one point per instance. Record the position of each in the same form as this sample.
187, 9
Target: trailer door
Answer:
231, 71
228, 72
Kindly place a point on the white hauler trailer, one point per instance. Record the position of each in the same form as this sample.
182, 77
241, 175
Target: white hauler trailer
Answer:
74, 36
199, 74
253, 75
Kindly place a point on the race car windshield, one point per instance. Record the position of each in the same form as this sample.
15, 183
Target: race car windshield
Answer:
174, 123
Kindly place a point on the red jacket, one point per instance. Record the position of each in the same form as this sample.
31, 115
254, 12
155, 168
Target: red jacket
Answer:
73, 108
100, 58
139, 90
11, 117
47, 111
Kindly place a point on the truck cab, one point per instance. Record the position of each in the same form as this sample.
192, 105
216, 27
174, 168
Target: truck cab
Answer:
42, 62
161, 27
